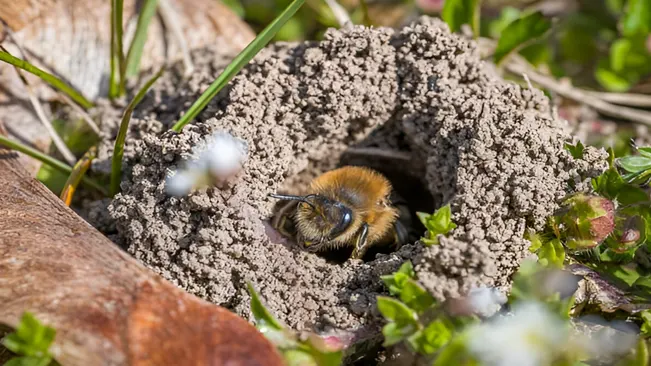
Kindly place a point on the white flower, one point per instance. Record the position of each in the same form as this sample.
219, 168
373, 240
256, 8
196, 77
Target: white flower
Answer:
485, 301
180, 183
225, 155
530, 336
222, 157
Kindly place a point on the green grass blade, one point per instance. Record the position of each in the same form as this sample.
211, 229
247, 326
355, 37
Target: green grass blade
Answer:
118, 151
135, 50
77, 174
45, 159
47, 77
117, 82
238, 63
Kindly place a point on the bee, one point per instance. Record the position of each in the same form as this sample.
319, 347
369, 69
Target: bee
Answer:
347, 207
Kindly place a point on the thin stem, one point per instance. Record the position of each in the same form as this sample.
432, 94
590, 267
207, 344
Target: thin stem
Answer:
119, 9
138, 43
38, 108
171, 19
47, 77
238, 63
77, 174
45, 159
118, 151
339, 12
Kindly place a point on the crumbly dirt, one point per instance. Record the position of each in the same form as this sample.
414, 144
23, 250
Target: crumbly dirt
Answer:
490, 148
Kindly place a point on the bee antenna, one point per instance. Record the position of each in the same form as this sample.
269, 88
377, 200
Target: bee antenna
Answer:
290, 197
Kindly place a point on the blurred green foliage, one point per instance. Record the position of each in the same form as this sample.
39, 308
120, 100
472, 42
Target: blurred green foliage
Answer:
31, 343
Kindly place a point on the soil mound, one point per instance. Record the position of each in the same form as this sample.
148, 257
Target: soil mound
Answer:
491, 148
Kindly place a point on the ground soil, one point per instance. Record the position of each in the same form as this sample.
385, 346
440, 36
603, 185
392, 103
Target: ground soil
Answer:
490, 148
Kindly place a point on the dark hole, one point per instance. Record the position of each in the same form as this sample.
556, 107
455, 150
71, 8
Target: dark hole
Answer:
410, 196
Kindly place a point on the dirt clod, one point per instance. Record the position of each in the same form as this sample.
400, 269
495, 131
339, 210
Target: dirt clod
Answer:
490, 148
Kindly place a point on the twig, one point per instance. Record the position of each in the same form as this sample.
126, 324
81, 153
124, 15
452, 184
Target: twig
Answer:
526, 78
85, 116
167, 12
339, 12
58, 142
517, 65
579, 95
629, 99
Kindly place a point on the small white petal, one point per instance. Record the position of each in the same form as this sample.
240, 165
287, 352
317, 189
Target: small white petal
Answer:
180, 184
530, 336
225, 154
486, 301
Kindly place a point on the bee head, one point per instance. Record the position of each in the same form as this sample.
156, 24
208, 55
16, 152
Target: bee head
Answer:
319, 219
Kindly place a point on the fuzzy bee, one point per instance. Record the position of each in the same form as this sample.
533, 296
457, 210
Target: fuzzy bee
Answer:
347, 207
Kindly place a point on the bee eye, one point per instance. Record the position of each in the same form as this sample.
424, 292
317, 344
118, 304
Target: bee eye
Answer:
344, 222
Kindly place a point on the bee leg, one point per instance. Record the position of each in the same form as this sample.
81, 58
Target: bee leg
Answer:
400, 235
280, 218
361, 245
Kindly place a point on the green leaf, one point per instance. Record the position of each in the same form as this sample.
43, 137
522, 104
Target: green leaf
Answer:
263, 318
637, 18
455, 353
52, 178
394, 334
438, 223
237, 64
552, 253
298, 357
396, 281
609, 79
29, 361
118, 65
459, 12
118, 150
431, 339
575, 150
45, 159
47, 77
507, 16
615, 6
646, 322
634, 164
645, 151
612, 186
147, 12
619, 50
416, 297
521, 32
625, 273
30, 338
395, 311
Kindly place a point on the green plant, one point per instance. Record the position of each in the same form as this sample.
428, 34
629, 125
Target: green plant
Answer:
47, 77
536, 328
438, 223
50, 161
147, 12
298, 349
118, 151
31, 343
523, 31
118, 67
459, 12
237, 64
77, 174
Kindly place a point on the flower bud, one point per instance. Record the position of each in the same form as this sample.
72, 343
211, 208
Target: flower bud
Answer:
586, 220
631, 234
